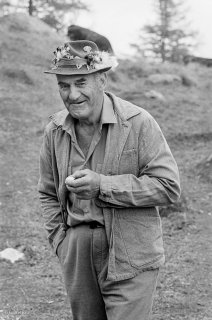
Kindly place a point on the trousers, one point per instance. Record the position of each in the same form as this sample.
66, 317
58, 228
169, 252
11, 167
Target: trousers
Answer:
83, 255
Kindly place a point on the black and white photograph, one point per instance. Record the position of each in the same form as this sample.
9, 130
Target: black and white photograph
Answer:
105, 160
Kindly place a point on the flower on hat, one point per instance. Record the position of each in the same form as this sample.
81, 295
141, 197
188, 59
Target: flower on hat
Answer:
87, 49
62, 52
93, 59
103, 60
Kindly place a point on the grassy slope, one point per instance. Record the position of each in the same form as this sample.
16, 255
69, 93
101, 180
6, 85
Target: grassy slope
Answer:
33, 289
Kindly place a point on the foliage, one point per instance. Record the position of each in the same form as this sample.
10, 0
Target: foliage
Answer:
167, 38
56, 13
91, 59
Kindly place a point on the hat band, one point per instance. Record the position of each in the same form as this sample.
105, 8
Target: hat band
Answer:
66, 63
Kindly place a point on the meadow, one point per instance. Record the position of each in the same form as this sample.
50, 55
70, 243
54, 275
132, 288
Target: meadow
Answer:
33, 288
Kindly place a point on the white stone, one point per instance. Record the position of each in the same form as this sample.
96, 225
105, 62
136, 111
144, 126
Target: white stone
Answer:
11, 254
152, 94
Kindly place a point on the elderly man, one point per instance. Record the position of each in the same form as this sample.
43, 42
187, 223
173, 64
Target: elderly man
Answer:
105, 167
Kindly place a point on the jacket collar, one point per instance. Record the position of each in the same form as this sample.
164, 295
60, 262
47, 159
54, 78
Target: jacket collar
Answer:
124, 109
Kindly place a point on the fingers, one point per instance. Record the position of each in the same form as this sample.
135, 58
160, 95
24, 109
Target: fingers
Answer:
80, 173
78, 178
76, 189
84, 183
78, 183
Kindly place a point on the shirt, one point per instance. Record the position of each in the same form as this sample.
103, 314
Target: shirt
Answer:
80, 210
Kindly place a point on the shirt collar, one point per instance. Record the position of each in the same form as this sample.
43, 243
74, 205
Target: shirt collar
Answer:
64, 119
107, 115
123, 109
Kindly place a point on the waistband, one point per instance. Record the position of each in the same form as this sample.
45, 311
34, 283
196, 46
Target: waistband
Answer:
90, 224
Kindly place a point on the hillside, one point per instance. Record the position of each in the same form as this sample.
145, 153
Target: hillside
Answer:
33, 289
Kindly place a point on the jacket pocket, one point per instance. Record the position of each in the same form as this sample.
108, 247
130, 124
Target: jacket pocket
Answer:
128, 163
142, 236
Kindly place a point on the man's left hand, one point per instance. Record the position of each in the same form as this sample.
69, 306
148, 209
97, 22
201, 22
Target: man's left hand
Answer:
85, 185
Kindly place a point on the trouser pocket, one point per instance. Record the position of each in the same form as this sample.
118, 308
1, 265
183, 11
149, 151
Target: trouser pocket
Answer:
63, 246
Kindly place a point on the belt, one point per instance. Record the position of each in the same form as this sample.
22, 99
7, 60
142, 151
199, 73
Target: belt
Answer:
92, 224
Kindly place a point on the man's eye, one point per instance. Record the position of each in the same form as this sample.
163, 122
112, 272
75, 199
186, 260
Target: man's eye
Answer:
64, 86
81, 84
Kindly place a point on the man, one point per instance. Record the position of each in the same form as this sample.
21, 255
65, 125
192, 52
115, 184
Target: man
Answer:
105, 166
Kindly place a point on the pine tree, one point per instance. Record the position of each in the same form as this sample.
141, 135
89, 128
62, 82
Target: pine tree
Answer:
167, 39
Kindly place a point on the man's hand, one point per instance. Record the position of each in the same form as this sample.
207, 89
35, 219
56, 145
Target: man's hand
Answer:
85, 184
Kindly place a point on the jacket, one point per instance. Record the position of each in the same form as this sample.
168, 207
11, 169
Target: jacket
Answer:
138, 174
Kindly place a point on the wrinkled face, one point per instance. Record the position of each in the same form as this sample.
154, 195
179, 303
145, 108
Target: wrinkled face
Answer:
82, 94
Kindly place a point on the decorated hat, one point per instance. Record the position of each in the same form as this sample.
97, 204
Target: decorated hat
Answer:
81, 57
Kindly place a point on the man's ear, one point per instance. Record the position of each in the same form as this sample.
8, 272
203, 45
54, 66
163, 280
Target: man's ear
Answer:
103, 80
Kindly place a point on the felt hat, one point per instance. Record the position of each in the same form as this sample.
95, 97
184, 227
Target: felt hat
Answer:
81, 57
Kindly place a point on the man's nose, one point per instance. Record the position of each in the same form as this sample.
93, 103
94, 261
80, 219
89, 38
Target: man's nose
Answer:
73, 93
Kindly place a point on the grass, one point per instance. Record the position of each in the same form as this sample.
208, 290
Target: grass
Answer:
33, 288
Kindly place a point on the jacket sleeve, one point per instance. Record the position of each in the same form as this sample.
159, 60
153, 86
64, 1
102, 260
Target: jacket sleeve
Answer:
48, 197
157, 182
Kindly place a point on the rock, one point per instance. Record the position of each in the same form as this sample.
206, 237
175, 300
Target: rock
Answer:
188, 81
18, 75
163, 78
152, 94
11, 254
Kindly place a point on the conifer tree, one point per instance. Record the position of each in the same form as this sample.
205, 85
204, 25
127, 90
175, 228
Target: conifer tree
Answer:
169, 38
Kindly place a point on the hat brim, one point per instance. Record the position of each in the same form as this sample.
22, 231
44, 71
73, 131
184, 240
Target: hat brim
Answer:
71, 71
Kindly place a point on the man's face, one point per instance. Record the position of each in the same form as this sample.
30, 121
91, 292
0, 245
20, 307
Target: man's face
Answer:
82, 95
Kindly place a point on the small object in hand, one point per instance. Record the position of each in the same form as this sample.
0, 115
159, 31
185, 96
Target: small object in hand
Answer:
69, 179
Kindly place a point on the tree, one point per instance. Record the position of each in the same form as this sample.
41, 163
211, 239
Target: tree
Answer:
167, 39
57, 13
